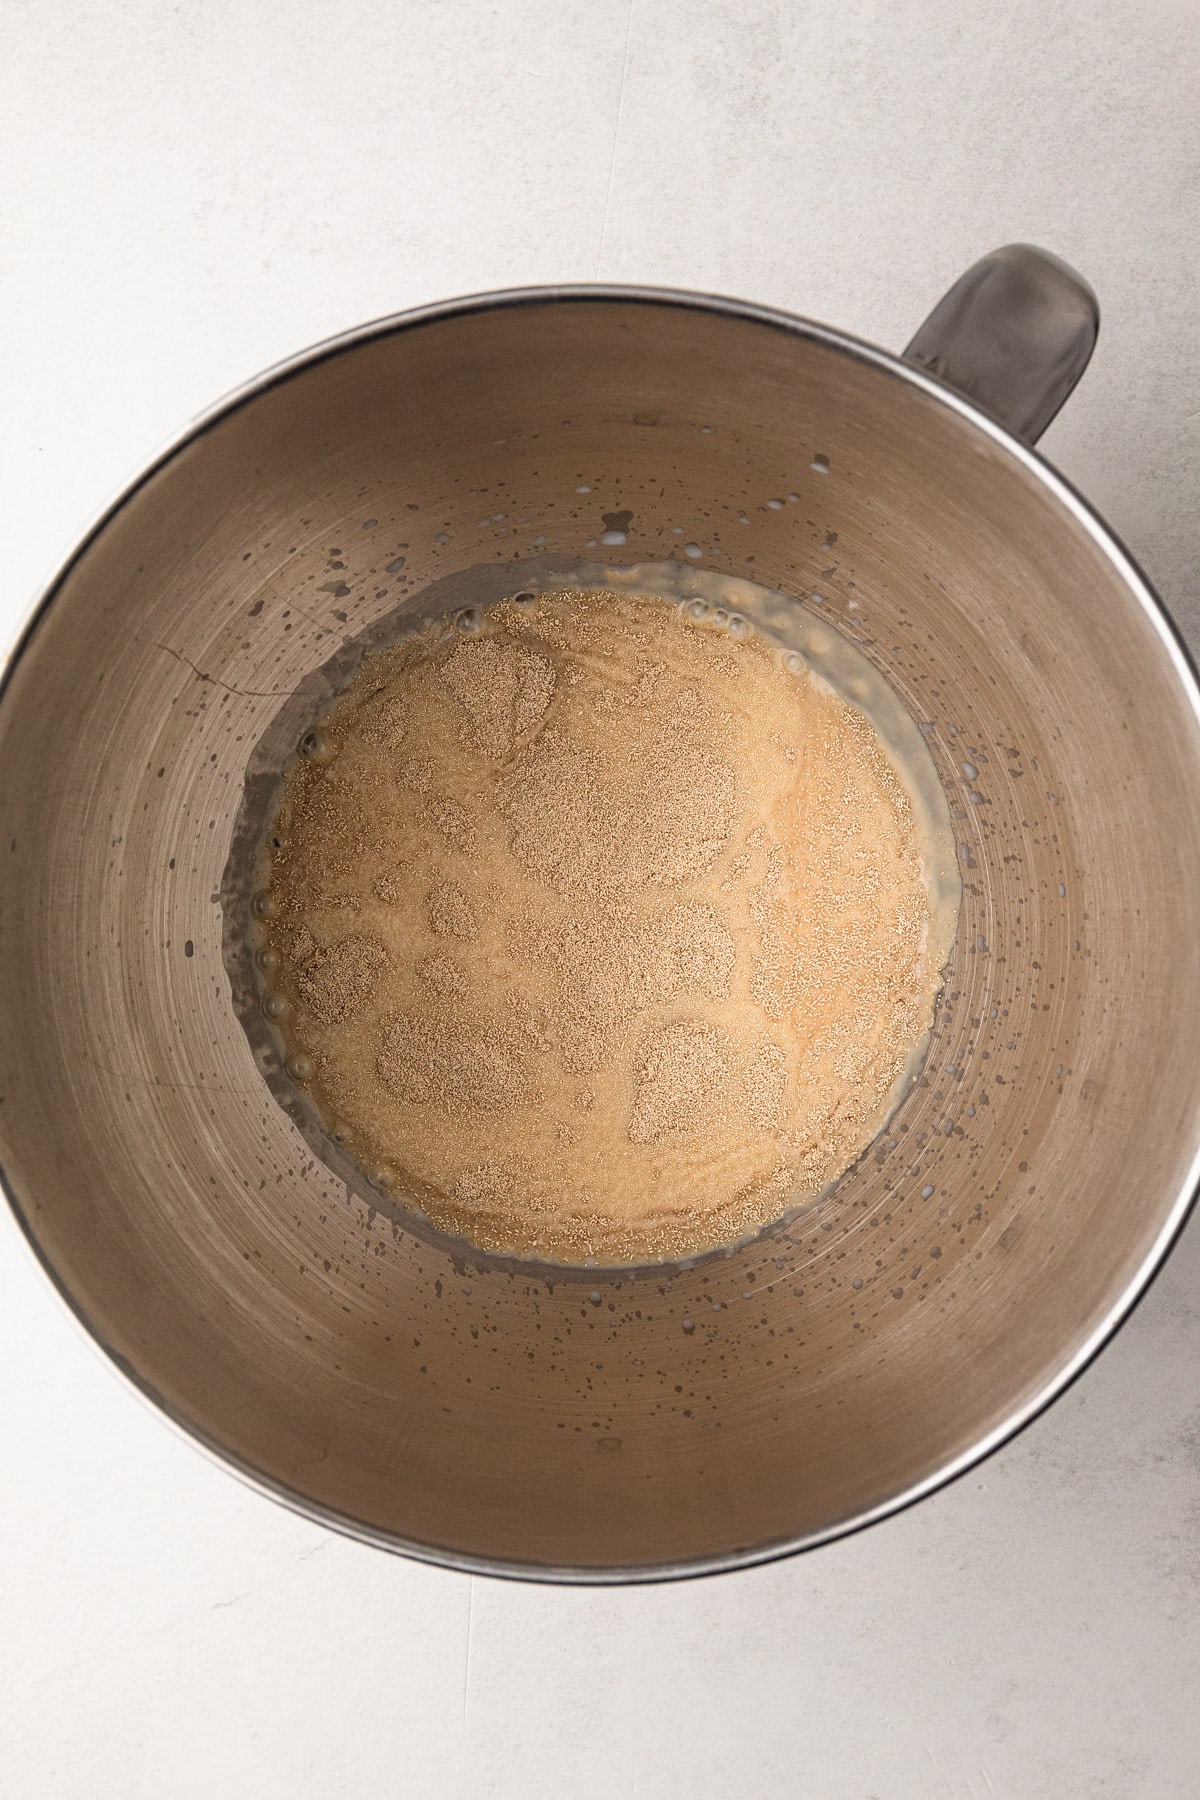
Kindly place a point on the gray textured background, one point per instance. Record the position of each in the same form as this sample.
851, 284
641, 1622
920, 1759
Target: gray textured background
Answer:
192, 191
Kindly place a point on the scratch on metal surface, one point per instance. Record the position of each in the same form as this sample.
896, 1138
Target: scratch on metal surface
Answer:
612, 161
246, 693
169, 1084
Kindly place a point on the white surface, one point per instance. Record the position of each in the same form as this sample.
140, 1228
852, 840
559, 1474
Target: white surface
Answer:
196, 190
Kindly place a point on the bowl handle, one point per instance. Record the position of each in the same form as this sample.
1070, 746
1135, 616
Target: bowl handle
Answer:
1013, 334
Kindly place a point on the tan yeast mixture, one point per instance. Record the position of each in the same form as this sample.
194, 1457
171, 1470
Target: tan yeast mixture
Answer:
596, 931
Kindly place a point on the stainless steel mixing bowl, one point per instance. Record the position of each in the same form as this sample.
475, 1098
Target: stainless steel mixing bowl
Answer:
590, 1424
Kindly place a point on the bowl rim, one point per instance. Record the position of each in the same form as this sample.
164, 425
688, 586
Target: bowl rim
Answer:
1140, 590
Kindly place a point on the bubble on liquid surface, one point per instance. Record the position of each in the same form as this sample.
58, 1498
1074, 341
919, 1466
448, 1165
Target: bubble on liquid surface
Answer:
316, 745
775, 505
276, 1006
612, 537
820, 464
697, 609
469, 620
694, 551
